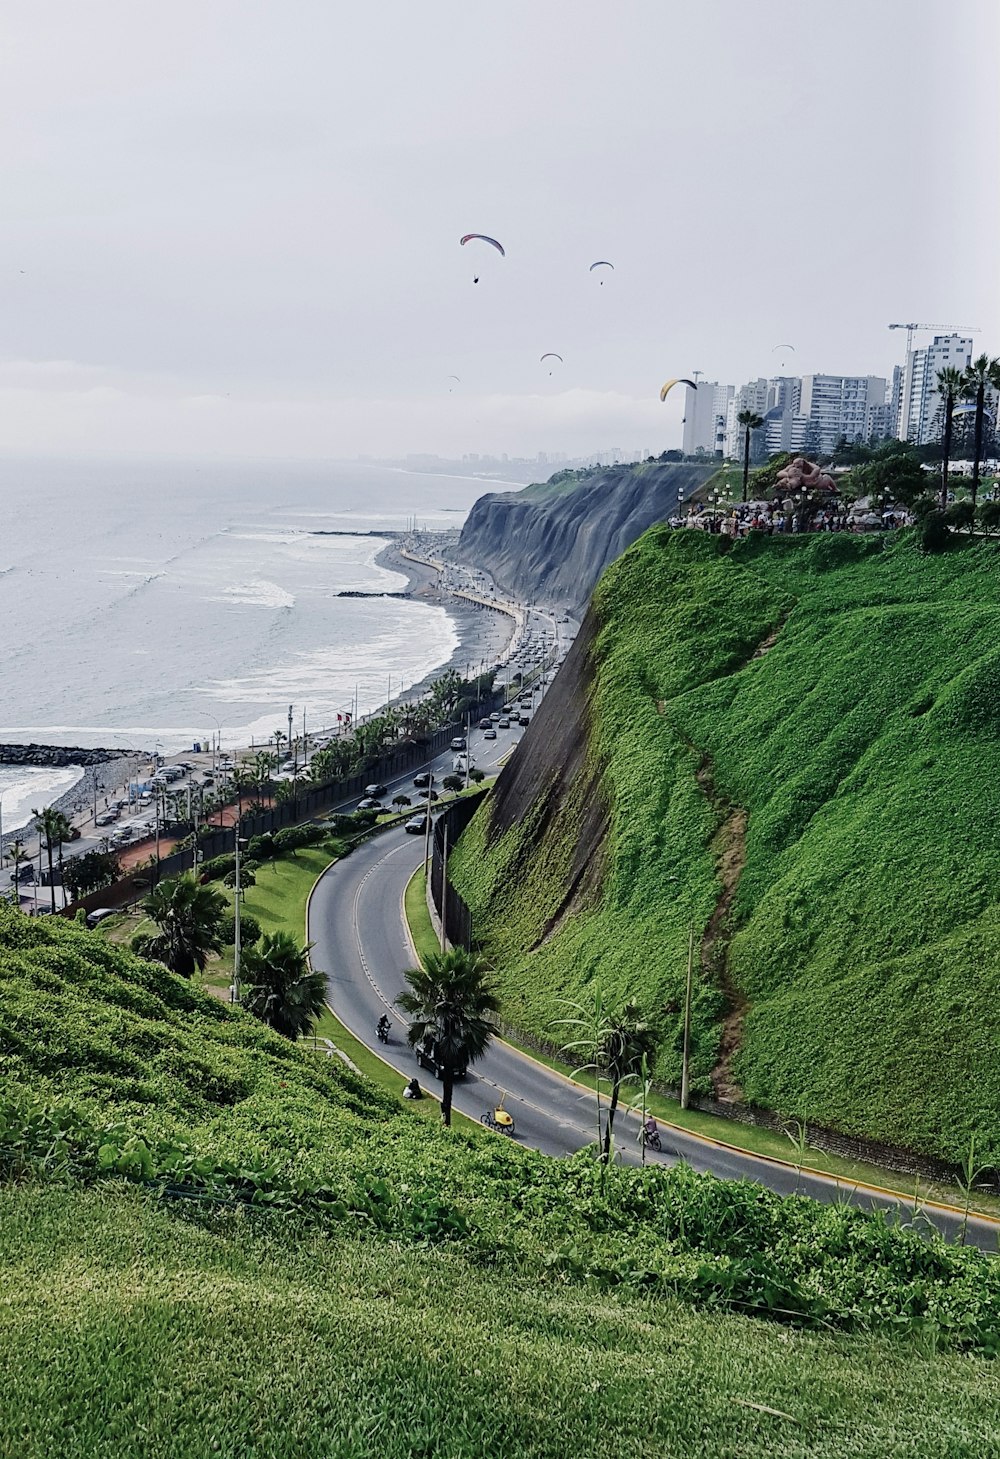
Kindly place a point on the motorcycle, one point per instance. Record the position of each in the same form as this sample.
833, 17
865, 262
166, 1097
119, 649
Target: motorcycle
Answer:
382, 1030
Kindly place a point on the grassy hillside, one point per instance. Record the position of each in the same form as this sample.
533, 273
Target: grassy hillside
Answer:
824, 815
216, 1242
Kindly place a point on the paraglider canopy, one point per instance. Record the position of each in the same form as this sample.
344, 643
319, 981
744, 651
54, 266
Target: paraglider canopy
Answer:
551, 355
671, 383
602, 263
482, 237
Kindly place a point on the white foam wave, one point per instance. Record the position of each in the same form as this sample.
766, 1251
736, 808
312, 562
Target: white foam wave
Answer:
258, 593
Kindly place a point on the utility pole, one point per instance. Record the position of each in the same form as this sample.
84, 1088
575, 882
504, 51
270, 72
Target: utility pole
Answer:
236, 924
686, 1053
290, 744
444, 890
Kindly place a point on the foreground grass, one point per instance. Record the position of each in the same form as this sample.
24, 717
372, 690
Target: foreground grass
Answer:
128, 1329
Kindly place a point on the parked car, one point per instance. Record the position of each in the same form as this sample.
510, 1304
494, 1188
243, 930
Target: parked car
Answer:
99, 914
416, 826
427, 1057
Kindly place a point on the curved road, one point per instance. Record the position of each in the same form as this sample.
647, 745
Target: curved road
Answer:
361, 942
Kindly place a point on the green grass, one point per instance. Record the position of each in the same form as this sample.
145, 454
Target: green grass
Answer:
864, 748
133, 1330
418, 918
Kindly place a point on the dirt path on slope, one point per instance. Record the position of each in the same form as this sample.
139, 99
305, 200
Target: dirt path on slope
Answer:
729, 846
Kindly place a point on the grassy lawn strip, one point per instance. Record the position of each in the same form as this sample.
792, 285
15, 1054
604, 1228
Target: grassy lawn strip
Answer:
418, 919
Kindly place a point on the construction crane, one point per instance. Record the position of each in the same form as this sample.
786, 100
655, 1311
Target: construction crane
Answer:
954, 328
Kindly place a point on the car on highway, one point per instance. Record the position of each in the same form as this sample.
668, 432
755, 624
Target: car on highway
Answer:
416, 826
484, 724
495, 716
369, 804
515, 716
375, 790
489, 734
424, 779
458, 743
504, 723
525, 719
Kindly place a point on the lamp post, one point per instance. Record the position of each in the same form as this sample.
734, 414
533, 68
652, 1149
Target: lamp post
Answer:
234, 991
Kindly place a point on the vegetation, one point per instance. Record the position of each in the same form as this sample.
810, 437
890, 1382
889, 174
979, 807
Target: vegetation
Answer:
798, 743
451, 1005
281, 988
188, 916
982, 375
54, 829
750, 421
618, 1046
89, 872
186, 1194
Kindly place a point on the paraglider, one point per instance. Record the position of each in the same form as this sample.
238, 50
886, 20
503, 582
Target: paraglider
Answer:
784, 347
457, 381
602, 263
551, 355
482, 238
671, 383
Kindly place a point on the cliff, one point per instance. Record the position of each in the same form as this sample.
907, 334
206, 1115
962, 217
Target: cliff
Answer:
793, 747
551, 542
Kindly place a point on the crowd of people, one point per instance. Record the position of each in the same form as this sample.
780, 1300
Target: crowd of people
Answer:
736, 520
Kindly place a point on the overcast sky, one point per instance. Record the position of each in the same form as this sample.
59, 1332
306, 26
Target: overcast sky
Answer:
230, 227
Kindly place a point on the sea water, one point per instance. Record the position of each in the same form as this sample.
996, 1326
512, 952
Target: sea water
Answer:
158, 605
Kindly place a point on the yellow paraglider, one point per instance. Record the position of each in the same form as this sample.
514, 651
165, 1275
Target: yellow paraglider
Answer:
671, 383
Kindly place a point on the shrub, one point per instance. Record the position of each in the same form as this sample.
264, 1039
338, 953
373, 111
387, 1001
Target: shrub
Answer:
292, 838
249, 929
217, 868
247, 877
932, 532
261, 848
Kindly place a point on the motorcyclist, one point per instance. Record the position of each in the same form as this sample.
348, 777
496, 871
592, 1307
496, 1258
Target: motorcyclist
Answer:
382, 1028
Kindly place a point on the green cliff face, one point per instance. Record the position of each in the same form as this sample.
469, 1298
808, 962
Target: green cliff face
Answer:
795, 747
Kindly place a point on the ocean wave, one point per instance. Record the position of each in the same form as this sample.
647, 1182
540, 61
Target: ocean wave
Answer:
259, 593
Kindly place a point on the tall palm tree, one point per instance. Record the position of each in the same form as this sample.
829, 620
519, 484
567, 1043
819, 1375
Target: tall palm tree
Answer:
53, 827
627, 1047
16, 855
281, 989
949, 384
982, 375
750, 421
189, 918
449, 1002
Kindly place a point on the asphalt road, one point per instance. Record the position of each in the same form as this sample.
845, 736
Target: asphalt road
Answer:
357, 926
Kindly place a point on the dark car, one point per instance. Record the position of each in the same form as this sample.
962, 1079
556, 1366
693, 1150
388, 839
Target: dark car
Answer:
424, 779
375, 790
416, 826
369, 804
525, 719
427, 1057
484, 724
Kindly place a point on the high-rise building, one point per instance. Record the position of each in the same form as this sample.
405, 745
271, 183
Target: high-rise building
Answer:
840, 405
920, 399
705, 417
752, 396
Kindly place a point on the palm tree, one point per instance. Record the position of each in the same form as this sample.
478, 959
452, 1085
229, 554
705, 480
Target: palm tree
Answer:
982, 375
616, 1046
949, 384
627, 1047
189, 917
449, 1003
53, 827
15, 856
750, 421
282, 990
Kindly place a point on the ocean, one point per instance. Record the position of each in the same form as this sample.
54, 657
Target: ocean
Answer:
155, 605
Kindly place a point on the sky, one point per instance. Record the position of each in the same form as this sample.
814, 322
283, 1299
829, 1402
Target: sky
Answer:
230, 228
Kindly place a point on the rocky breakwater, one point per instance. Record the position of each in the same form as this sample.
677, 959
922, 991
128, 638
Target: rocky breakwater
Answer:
59, 755
551, 542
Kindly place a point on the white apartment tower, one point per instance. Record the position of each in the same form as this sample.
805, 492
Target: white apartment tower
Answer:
752, 396
920, 399
841, 405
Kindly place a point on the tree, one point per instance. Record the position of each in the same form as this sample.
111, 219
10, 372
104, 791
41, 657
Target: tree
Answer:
449, 1003
750, 421
982, 375
949, 384
893, 474
961, 516
92, 870
453, 782
189, 917
617, 1045
53, 827
989, 516
16, 855
282, 990
401, 801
